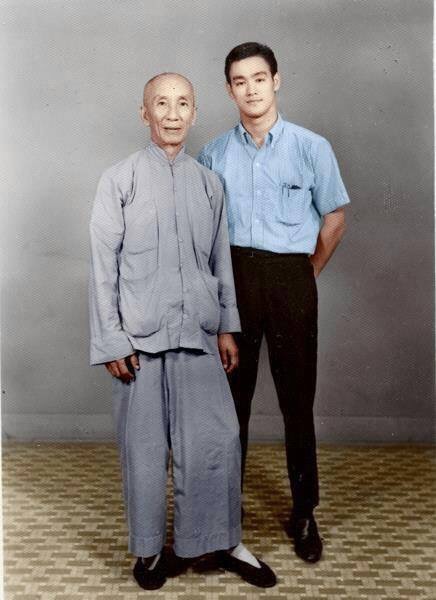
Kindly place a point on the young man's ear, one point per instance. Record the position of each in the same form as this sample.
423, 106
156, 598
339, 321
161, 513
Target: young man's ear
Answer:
143, 114
229, 90
277, 82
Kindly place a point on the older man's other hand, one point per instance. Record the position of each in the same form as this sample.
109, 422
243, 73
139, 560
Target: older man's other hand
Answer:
124, 368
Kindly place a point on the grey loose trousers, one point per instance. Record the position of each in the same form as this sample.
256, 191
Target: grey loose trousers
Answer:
180, 401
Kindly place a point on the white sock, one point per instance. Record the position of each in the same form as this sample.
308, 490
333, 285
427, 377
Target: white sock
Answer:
154, 562
242, 553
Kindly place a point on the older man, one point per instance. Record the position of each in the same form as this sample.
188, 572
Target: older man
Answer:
161, 289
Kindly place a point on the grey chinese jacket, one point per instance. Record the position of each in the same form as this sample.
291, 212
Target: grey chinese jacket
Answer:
161, 274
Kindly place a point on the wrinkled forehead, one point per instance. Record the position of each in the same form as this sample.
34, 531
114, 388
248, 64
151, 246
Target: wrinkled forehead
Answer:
169, 86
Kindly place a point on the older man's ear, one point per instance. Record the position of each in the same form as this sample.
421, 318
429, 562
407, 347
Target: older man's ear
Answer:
194, 117
143, 115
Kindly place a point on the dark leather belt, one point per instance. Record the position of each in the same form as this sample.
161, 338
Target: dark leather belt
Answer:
256, 253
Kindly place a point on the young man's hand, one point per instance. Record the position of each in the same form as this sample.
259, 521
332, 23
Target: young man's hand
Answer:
119, 368
228, 351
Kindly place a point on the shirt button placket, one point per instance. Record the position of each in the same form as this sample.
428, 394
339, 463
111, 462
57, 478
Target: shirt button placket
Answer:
180, 246
257, 205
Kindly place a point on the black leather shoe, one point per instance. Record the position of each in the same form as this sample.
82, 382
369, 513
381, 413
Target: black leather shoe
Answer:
261, 576
150, 579
307, 542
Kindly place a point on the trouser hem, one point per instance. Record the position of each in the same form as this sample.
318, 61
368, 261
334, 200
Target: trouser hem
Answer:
142, 546
192, 547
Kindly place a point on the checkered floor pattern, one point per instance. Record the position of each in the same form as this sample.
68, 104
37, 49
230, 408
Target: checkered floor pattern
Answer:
65, 535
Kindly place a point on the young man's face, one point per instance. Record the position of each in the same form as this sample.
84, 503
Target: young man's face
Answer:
253, 87
169, 110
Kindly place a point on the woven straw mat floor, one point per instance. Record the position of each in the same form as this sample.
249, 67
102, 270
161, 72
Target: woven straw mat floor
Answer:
65, 534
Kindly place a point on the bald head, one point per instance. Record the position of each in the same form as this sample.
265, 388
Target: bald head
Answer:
171, 80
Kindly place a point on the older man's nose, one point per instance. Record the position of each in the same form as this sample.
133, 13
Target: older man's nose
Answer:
173, 114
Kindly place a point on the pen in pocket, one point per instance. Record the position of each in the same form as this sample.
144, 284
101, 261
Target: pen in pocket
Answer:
290, 187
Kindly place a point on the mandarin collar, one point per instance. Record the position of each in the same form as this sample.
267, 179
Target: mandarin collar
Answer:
161, 155
272, 135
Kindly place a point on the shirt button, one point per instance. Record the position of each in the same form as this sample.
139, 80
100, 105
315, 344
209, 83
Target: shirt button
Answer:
181, 264
181, 240
257, 164
258, 192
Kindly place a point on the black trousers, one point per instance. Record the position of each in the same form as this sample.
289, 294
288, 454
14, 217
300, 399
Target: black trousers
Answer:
277, 296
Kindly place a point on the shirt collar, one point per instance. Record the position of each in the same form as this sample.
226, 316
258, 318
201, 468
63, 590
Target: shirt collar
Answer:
157, 152
272, 135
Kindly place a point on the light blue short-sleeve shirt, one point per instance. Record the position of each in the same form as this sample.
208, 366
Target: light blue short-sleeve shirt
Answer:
276, 195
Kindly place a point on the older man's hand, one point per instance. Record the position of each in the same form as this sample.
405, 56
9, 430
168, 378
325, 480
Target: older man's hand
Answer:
228, 351
120, 368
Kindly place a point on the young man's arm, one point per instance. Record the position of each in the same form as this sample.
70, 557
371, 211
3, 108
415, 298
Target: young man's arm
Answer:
109, 343
329, 237
329, 196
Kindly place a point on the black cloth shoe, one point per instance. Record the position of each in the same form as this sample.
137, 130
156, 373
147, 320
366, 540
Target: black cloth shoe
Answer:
307, 541
150, 579
176, 565
261, 577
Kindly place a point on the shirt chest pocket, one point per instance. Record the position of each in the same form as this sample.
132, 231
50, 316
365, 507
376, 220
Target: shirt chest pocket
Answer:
294, 202
139, 256
141, 230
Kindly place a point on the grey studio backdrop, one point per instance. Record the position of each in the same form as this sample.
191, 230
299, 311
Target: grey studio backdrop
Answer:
357, 72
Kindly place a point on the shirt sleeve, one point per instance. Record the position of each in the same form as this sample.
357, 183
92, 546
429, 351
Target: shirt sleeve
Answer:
108, 341
220, 263
204, 159
329, 192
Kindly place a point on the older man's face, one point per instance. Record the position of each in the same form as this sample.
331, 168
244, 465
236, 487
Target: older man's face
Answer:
169, 110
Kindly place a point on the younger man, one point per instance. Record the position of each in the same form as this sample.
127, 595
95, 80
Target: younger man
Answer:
284, 200
161, 289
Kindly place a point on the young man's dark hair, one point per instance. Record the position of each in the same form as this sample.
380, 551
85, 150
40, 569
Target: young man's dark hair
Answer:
246, 50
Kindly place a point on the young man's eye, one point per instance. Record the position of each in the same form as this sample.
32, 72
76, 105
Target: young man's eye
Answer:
260, 79
238, 83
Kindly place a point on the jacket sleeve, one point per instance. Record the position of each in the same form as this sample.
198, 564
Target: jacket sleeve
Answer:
220, 263
108, 341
